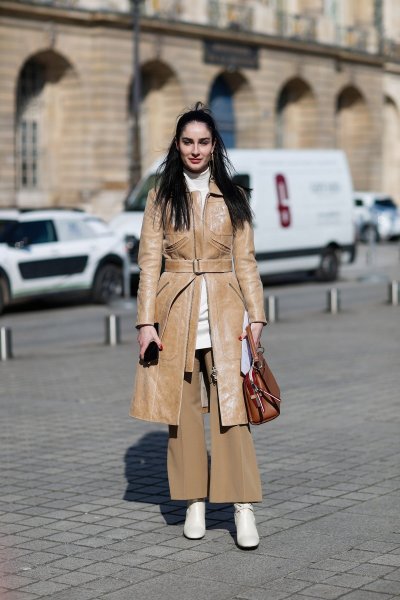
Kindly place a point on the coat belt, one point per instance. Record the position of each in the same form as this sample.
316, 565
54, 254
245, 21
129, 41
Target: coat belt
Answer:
199, 265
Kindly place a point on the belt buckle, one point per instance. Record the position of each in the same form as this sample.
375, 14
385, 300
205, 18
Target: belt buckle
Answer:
196, 266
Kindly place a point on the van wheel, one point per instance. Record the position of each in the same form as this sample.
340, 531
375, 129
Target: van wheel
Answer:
328, 269
107, 283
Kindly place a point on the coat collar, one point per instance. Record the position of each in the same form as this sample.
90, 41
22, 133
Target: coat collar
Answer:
214, 189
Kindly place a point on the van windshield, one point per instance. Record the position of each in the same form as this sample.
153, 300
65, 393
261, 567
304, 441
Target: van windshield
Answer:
136, 200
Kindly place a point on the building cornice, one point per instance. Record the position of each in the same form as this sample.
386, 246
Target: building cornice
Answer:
123, 21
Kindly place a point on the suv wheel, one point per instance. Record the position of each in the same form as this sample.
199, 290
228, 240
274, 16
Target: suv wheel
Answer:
2, 295
369, 234
329, 266
107, 283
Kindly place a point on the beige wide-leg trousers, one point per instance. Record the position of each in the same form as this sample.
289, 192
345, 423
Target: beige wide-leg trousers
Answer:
234, 475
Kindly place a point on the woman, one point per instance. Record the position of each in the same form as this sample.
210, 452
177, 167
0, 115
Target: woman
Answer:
200, 222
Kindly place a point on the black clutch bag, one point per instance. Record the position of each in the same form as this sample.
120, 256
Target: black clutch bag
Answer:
152, 351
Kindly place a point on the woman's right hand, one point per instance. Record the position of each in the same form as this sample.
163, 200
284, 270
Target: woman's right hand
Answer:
146, 335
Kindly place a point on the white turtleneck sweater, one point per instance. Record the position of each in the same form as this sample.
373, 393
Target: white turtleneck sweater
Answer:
199, 182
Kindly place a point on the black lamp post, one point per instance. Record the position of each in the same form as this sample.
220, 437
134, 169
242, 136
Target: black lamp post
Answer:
136, 94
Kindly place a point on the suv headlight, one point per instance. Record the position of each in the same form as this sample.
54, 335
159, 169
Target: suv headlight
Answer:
132, 247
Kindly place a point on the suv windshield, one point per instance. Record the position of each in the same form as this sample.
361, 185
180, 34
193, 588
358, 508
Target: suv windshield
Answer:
6, 226
384, 203
137, 197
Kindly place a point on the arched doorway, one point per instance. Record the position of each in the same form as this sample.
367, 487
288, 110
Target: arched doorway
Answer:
391, 149
47, 131
353, 134
296, 116
232, 102
221, 104
160, 104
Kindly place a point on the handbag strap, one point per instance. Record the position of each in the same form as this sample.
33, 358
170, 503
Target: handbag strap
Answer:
252, 345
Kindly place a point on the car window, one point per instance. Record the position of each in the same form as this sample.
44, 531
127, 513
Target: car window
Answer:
97, 226
33, 232
358, 202
73, 229
6, 226
242, 179
136, 200
385, 203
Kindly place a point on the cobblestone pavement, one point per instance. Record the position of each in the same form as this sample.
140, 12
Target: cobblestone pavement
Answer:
84, 507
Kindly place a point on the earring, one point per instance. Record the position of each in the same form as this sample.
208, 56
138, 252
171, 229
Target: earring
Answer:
211, 163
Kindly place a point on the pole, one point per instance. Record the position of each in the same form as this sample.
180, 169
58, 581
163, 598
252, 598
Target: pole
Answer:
271, 309
112, 330
136, 93
333, 301
393, 296
5, 343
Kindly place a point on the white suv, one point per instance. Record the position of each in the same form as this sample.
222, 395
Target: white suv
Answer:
51, 251
376, 217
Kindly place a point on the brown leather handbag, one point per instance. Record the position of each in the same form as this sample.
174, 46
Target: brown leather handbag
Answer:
260, 389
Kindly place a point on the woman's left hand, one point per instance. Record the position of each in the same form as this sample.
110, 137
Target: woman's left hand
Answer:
256, 329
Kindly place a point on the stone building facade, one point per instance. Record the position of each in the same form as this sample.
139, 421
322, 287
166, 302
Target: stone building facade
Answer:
277, 73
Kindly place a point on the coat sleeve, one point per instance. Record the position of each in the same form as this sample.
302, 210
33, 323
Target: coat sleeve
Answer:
149, 261
247, 273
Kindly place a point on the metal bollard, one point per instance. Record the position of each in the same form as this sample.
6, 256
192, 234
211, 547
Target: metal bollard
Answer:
393, 295
333, 301
113, 330
272, 309
5, 343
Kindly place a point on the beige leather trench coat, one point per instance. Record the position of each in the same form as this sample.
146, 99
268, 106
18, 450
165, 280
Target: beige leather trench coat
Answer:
226, 260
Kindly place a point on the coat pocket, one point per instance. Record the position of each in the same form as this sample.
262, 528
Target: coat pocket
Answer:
174, 245
238, 293
222, 242
162, 286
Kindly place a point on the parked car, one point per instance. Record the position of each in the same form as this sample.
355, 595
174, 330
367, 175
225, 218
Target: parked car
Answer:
302, 203
376, 216
46, 252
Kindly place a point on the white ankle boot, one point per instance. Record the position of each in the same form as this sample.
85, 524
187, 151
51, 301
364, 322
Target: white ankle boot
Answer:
195, 523
246, 530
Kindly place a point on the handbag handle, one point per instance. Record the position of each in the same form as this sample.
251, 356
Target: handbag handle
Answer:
252, 345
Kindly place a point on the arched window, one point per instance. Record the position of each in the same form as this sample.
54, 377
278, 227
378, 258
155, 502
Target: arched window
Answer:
30, 87
221, 104
354, 135
296, 116
161, 101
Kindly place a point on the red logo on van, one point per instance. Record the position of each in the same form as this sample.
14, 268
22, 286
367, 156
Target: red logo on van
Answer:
283, 201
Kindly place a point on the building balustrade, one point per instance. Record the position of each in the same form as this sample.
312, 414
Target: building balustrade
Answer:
391, 49
163, 9
352, 37
252, 17
230, 15
60, 3
296, 26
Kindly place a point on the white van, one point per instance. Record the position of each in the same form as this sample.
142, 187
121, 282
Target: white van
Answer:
303, 209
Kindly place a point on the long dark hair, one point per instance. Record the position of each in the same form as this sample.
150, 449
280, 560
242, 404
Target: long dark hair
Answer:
171, 190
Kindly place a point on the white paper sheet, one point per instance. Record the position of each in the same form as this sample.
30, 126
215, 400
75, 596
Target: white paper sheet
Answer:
246, 354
